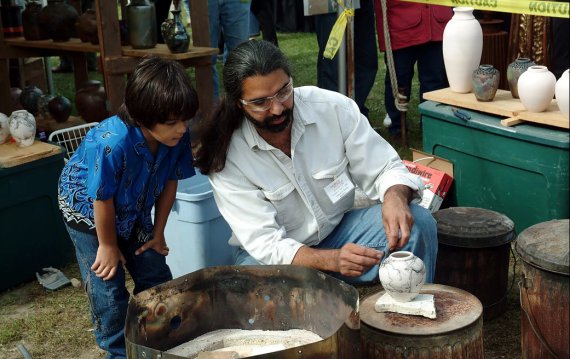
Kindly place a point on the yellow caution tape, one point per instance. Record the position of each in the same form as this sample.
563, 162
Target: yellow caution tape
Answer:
337, 33
539, 8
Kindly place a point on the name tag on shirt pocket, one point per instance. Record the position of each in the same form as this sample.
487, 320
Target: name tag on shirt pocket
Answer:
339, 188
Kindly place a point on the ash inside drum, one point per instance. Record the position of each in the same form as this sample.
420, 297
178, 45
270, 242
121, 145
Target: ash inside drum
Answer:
245, 343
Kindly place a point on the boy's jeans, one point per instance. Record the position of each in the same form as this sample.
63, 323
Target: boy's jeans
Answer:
108, 300
364, 226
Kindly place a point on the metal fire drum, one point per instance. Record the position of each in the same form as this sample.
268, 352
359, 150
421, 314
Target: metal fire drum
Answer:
544, 290
473, 254
456, 333
246, 297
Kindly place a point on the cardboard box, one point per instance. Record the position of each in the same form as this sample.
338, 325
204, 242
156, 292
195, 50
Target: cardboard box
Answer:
437, 174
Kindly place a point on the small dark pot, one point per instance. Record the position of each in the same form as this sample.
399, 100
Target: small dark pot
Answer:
59, 108
43, 110
86, 27
58, 19
29, 99
91, 102
32, 30
174, 34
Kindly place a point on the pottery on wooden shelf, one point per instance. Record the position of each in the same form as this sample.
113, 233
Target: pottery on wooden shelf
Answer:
22, 126
485, 81
4, 128
561, 93
514, 71
402, 275
536, 88
86, 27
32, 30
43, 110
91, 102
29, 98
462, 48
59, 108
58, 19
174, 33
141, 23
15, 93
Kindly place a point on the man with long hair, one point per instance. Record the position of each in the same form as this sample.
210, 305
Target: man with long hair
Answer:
284, 164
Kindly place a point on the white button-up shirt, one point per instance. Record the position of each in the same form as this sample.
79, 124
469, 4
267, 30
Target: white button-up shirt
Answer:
275, 204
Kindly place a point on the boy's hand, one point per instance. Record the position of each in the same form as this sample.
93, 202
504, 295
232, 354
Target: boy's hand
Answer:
157, 243
107, 261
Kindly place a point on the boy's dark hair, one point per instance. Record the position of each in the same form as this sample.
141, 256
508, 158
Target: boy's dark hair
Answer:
157, 91
250, 58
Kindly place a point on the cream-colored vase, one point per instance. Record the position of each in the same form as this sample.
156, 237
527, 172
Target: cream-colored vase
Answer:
402, 275
462, 48
561, 93
536, 88
22, 127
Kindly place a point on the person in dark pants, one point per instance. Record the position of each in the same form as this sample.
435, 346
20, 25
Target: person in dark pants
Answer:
365, 53
559, 49
264, 12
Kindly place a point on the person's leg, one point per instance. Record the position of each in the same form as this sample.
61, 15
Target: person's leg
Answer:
214, 20
108, 300
243, 258
264, 11
234, 17
364, 227
327, 69
365, 53
431, 68
147, 269
404, 60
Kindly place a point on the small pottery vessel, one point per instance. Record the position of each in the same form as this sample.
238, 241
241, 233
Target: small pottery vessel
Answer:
91, 102
32, 30
485, 82
536, 88
59, 108
4, 128
402, 275
462, 48
29, 98
15, 93
22, 126
58, 19
141, 22
514, 71
43, 110
86, 27
174, 34
561, 93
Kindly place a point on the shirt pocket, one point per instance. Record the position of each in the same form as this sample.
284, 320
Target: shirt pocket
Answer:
325, 177
286, 202
404, 16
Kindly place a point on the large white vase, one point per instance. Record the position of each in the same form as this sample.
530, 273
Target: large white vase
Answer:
536, 88
402, 275
462, 48
561, 93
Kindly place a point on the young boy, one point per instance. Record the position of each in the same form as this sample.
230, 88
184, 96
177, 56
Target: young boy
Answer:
126, 165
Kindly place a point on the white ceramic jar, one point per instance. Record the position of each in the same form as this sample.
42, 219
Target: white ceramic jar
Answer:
561, 93
536, 88
22, 127
462, 48
402, 275
4, 129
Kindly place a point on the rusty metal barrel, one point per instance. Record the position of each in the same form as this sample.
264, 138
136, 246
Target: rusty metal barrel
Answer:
457, 332
474, 253
544, 290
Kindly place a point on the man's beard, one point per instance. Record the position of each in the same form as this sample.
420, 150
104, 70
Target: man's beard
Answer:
266, 123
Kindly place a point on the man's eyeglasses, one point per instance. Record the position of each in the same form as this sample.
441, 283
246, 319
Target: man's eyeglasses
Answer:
264, 104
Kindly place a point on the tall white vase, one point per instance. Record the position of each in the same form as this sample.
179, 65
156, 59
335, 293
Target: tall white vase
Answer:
536, 88
561, 93
462, 48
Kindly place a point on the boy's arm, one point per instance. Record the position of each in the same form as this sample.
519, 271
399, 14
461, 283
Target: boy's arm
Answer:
108, 253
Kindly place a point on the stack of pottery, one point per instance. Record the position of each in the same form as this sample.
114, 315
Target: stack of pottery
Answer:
562, 95
536, 88
402, 275
22, 125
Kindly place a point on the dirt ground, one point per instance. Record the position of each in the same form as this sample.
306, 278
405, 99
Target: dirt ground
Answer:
56, 324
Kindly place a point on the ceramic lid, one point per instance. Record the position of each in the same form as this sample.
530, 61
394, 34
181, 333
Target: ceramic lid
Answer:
471, 227
545, 245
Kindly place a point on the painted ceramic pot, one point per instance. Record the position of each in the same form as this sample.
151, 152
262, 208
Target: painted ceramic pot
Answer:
536, 88
514, 71
29, 98
462, 48
402, 275
59, 108
4, 129
561, 93
174, 34
22, 126
485, 81
91, 101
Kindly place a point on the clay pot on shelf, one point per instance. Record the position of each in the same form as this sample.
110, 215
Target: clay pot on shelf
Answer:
174, 34
514, 71
15, 93
29, 98
4, 128
141, 21
402, 275
32, 30
462, 48
536, 88
91, 102
485, 81
86, 27
22, 126
58, 19
43, 111
562, 95
59, 108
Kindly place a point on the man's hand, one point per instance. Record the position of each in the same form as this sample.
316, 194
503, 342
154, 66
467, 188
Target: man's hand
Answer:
355, 260
397, 217
107, 261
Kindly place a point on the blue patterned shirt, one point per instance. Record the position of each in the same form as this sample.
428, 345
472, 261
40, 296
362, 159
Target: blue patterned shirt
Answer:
114, 161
